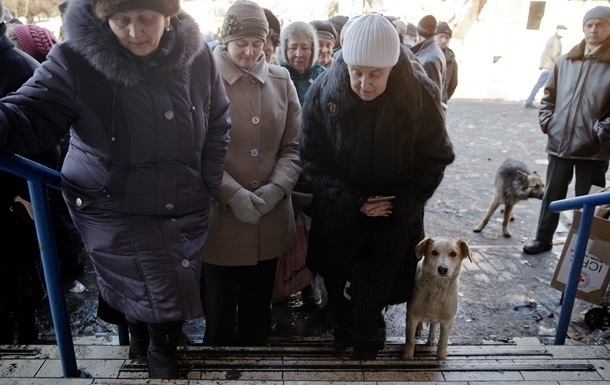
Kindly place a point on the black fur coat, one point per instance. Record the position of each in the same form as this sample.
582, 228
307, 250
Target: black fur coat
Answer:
350, 149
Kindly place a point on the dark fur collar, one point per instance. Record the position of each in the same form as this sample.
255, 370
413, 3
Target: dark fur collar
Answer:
92, 38
578, 52
406, 85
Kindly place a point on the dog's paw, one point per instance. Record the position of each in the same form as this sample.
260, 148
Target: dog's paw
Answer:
441, 352
507, 234
430, 342
407, 356
477, 229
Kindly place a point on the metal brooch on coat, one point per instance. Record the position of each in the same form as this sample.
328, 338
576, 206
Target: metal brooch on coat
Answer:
332, 107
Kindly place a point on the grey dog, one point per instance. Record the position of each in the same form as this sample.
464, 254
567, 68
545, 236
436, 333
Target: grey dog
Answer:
514, 183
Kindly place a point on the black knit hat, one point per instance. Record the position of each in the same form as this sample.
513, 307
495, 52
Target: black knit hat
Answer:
426, 26
443, 27
325, 29
274, 23
411, 30
338, 22
106, 8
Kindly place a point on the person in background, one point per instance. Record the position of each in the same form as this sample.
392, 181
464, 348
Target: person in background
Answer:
575, 117
61, 36
327, 36
338, 21
252, 220
428, 52
372, 126
273, 38
7, 16
548, 58
401, 28
34, 40
443, 36
299, 54
22, 287
148, 115
411, 37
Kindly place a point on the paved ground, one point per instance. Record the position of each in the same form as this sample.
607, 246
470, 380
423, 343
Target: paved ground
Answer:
504, 293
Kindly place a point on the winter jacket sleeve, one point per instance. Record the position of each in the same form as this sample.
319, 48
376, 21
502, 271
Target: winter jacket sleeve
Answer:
547, 103
453, 80
217, 141
40, 113
432, 152
288, 166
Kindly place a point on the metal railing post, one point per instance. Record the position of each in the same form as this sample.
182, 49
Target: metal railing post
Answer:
574, 276
39, 178
587, 203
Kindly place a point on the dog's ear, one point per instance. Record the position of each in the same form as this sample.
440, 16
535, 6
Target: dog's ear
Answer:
522, 174
465, 249
420, 249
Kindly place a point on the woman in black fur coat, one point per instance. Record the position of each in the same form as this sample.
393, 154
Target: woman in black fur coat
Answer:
372, 126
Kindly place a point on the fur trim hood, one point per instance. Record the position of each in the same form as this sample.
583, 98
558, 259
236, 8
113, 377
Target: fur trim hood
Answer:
92, 38
106, 8
407, 92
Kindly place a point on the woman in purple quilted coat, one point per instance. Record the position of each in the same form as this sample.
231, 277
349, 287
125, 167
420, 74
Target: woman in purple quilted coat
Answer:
148, 115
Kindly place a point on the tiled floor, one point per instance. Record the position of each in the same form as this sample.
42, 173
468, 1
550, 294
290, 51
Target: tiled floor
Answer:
520, 361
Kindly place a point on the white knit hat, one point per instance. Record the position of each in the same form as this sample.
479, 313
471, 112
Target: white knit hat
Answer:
371, 41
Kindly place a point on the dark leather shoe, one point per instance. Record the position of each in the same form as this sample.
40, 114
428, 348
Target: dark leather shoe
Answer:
537, 247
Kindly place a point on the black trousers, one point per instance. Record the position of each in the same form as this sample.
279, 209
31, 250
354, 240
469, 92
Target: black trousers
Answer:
558, 177
237, 303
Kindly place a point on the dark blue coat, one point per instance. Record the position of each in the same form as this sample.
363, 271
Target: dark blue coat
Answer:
148, 145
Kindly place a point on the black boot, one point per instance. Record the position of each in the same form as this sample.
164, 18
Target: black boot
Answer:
26, 324
139, 340
365, 350
162, 350
7, 331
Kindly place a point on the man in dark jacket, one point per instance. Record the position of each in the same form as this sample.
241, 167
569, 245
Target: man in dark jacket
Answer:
428, 52
372, 125
575, 116
450, 80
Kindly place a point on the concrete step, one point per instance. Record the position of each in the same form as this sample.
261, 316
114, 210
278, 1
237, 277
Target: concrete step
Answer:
309, 360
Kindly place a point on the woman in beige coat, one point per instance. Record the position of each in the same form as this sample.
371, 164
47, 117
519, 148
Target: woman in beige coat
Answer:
252, 222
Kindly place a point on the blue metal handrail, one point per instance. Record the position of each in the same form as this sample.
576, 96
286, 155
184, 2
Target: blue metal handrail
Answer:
39, 178
587, 203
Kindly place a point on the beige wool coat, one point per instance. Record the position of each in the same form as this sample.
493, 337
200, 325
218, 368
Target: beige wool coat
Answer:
266, 118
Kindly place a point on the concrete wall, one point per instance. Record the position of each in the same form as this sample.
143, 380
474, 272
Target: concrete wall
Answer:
501, 34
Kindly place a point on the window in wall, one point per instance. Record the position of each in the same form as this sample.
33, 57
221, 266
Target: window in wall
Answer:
535, 14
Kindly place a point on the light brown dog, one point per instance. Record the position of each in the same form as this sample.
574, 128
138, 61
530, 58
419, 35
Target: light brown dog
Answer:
435, 298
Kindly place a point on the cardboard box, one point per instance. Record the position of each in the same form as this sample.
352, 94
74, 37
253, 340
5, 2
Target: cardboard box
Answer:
595, 273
